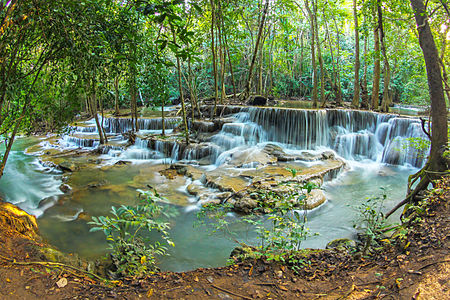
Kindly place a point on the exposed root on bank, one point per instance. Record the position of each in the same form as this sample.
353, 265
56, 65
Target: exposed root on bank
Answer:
60, 266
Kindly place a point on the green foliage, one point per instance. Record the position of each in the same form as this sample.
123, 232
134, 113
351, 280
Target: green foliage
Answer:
371, 222
127, 230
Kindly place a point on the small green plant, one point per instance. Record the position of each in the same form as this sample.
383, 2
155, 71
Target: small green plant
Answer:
371, 220
127, 231
280, 233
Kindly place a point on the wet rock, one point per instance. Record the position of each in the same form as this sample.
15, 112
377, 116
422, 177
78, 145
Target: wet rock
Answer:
224, 195
194, 189
199, 151
65, 188
328, 155
225, 183
246, 205
257, 101
169, 173
341, 244
130, 136
204, 126
238, 251
84, 216
251, 157
96, 184
315, 198
68, 167
205, 200
181, 169
122, 162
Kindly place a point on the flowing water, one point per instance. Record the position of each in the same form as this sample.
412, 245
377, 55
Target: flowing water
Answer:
370, 143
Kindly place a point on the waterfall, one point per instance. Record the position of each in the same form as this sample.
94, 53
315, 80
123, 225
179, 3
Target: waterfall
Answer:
354, 135
120, 125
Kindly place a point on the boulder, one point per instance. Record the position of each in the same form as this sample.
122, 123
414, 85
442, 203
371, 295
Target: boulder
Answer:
315, 198
245, 205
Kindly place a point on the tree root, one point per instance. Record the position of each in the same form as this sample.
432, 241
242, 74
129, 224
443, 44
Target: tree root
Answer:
53, 265
425, 180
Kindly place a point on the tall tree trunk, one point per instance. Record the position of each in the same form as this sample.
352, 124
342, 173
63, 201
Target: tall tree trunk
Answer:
376, 70
387, 100
133, 96
93, 103
103, 120
300, 73
227, 50
364, 91
436, 165
319, 56
214, 54
313, 54
163, 119
180, 87
223, 93
439, 125
246, 93
333, 64
338, 65
116, 95
355, 102
442, 62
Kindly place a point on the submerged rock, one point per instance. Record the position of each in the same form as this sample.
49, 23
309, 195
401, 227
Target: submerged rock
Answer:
65, 188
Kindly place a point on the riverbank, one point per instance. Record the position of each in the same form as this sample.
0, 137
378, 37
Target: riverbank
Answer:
416, 267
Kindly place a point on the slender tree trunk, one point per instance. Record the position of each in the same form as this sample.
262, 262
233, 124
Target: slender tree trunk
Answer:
116, 95
180, 87
364, 91
213, 50
313, 55
319, 55
93, 103
101, 124
376, 70
227, 49
338, 65
387, 100
246, 93
26, 104
355, 102
300, 71
163, 119
333, 64
223, 93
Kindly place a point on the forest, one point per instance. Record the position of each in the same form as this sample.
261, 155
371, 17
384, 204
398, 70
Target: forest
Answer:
137, 129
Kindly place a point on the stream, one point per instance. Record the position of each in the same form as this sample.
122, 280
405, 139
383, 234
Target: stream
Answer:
62, 217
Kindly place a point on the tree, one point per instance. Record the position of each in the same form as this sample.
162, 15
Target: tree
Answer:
355, 101
437, 164
246, 93
33, 34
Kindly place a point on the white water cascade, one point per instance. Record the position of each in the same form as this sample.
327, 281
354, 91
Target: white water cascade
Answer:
354, 135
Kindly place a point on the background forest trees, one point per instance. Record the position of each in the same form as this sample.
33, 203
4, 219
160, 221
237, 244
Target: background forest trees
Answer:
59, 58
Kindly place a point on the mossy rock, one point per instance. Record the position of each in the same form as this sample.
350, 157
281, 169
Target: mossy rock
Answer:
341, 244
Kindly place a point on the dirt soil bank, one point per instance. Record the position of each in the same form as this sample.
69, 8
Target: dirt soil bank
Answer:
417, 270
